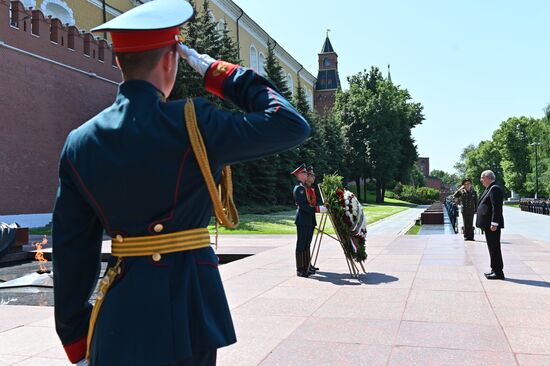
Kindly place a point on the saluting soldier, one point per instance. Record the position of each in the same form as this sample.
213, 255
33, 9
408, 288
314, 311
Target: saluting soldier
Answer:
305, 222
468, 202
132, 172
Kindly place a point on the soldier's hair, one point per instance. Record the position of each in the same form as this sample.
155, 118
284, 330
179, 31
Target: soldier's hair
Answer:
489, 174
139, 64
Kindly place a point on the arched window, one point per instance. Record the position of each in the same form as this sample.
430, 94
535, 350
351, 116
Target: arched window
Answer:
58, 9
253, 58
211, 16
290, 83
220, 26
261, 64
28, 3
309, 97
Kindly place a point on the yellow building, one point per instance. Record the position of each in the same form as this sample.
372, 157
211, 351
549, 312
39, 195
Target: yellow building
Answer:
248, 35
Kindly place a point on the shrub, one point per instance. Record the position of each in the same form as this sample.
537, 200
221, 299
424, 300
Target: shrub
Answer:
420, 195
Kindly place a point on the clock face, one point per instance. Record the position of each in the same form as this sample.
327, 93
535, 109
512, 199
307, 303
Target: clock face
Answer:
326, 62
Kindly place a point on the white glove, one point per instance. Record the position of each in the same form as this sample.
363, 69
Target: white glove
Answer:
199, 63
322, 209
82, 362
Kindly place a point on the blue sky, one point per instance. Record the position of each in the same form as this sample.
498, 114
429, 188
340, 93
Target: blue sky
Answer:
471, 63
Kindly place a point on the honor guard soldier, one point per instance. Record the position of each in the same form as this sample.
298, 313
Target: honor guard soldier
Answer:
133, 172
468, 203
312, 200
305, 222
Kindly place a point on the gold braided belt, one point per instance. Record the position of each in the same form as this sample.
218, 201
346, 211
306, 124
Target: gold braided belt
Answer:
140, 246
160, 244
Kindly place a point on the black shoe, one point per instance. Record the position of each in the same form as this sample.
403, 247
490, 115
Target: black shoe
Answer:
494, 276
311, 270
315, 268
489, 273
302, 274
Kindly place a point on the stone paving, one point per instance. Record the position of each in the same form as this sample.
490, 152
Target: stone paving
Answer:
424, 301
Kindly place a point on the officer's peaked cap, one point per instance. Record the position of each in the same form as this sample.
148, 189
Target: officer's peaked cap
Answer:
152, 25
300, 169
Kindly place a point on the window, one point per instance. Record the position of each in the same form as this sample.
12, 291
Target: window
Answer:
58, 9
253, 58
290, 83
309, 97
261, 64
28, 3
220, 26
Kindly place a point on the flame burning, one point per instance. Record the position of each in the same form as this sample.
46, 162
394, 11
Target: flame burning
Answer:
40, 255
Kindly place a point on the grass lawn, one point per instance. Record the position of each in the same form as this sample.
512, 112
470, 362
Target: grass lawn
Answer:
414, 230
40, 231
283, 222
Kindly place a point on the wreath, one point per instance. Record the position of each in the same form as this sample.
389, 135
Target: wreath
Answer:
347, 216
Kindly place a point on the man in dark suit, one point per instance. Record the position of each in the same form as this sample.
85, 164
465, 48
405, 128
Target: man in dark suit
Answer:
305, 222
490, 220
132, 172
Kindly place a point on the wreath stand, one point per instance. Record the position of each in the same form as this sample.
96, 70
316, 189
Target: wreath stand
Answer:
354, 270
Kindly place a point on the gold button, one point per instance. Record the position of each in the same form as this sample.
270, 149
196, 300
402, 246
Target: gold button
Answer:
119, 238
158, 228
156, 257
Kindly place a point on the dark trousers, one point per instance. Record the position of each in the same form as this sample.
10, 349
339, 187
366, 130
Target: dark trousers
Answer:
468, 219
493, 243
207, 358
303, 242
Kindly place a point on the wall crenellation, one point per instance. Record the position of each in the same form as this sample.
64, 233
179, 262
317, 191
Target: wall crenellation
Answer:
29, 29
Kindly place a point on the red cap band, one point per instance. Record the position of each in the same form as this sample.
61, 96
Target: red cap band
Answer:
144, 40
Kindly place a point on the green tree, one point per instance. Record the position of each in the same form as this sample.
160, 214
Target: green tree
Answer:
512, 139
274, 71
450, 179
313, 150
335, 146
539, 133
486, 156
460, 165
416, 177
378, 116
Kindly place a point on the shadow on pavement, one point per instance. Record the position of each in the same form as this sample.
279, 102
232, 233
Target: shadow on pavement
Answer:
528, 282
344, 279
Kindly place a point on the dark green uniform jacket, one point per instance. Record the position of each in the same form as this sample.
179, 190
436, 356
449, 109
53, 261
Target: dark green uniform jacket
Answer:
468, 200
130, 168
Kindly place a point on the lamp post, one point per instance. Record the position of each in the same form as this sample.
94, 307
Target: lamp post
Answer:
536, 145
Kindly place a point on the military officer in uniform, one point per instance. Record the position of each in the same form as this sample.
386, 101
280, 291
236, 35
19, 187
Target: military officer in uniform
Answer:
312, 200
490, 220
131, 171
305, 222
468, 202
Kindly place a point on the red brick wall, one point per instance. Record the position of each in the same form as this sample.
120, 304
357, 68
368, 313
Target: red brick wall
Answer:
40, 102
323, 101
424, 166
433, 182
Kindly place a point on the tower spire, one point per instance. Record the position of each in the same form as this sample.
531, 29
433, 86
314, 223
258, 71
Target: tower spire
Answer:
328, 81
389, 73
